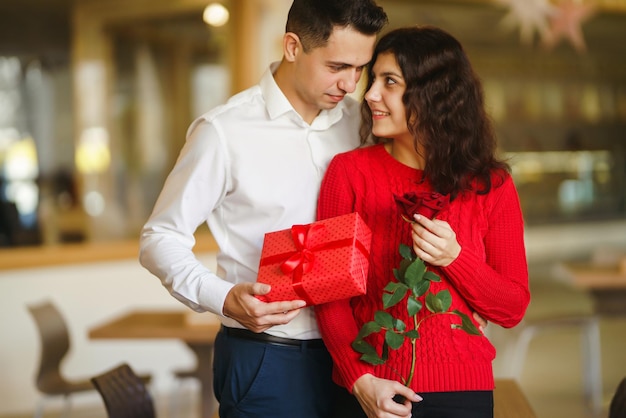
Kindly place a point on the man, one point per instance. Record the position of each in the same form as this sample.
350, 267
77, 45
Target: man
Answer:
252, 166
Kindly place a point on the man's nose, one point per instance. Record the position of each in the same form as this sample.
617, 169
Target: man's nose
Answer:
349, 80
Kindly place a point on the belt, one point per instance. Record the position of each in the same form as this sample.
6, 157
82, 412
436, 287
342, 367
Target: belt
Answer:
246, 334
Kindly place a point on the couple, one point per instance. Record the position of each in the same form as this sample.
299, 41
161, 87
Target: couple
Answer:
256, 164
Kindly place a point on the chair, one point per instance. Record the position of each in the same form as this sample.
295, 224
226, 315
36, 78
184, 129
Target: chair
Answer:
590, 335
124, 393
617, 408
55, 344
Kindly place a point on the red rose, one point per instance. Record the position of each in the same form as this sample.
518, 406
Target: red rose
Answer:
427, 204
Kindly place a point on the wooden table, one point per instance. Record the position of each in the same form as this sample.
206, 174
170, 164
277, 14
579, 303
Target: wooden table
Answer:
161, 324
605, 283
509, 401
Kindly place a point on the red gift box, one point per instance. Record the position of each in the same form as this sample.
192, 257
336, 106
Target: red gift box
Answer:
320, 262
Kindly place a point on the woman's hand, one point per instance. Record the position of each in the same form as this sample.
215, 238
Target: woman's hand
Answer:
376, 395
434, 241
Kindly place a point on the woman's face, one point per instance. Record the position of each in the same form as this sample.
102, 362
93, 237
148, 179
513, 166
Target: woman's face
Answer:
384, 99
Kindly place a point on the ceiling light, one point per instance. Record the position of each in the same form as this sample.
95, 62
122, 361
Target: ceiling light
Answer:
215, 14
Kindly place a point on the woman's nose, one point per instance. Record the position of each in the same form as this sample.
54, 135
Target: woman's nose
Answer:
372, 95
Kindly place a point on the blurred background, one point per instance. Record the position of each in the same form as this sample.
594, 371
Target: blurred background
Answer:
96, 97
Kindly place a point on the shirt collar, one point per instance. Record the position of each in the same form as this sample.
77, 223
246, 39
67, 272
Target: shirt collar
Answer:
278, 105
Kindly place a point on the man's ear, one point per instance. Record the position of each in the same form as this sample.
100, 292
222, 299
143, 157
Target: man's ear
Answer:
291, 46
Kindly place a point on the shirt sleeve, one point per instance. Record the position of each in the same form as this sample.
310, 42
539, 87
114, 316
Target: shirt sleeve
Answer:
335, 319
193, 189
496, 285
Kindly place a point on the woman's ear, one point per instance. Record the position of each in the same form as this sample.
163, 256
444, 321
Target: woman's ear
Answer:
291, 46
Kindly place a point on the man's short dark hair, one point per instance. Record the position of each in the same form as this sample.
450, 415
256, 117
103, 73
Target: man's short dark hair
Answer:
314, 20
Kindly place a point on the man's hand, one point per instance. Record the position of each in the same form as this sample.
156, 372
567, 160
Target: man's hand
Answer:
376, 397
242, 306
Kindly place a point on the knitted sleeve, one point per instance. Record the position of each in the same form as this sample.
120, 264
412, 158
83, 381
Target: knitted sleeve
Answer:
335, 319
496, 285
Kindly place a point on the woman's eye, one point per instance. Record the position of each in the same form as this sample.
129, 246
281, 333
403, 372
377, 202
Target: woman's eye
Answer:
390, 81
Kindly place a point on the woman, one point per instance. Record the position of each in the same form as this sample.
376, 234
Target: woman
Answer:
424, 108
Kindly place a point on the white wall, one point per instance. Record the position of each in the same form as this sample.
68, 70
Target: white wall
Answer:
86, 294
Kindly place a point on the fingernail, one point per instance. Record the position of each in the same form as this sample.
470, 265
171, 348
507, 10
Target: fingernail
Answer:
418, 398
417, 216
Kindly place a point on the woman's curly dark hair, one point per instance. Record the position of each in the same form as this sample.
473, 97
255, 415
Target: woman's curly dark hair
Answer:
445, 109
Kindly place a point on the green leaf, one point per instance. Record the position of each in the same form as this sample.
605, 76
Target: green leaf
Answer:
399, 325
413, 306
367, 329
393, 339
363, 347
429, 275
406, 252
466, 323
372, 359
392, 299
385, 353
439, 302
412, 334
404, 264
420, 288
393, 286
414, 272
384, 319
446, 299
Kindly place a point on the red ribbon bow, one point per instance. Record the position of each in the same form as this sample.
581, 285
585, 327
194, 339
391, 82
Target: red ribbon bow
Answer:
301, 262
303, 258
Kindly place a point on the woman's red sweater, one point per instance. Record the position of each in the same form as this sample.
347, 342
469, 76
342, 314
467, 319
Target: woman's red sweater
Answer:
490, 275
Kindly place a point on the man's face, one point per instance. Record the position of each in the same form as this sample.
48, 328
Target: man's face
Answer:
324, 75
